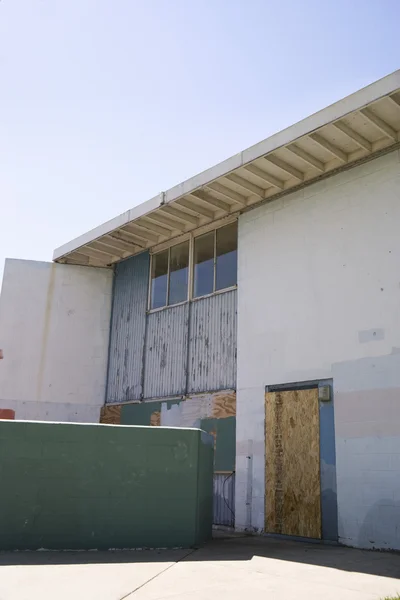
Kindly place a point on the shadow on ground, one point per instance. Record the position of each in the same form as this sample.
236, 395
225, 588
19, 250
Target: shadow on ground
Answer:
228, 548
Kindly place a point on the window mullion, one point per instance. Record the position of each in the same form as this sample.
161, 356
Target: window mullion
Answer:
215, 259
191, 268
150, 284
168, 274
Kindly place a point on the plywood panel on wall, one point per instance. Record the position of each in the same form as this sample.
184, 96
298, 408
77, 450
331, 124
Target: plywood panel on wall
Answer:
292, 471
111, 414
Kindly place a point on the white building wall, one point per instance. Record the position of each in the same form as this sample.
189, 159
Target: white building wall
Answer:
54, 329
319, 297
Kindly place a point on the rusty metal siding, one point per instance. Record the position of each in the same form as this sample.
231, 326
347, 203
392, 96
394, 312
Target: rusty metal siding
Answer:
224, 499
212, 343
128, 329
166, 352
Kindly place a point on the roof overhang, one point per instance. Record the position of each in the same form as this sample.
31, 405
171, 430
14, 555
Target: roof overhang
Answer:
355, 129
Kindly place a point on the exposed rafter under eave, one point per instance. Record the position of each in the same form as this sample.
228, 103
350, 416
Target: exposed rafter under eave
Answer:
354, 129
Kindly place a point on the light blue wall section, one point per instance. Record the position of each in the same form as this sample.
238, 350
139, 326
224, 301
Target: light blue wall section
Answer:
128, 324
166, 352
328, 467
212, 343
174, 351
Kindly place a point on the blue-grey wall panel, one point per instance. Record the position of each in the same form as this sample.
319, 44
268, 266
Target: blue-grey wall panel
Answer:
328, 467
212, 343
166, 352
224, 499
128, 324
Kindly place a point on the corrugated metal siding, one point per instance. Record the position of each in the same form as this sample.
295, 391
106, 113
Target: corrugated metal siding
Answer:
212, 343
224, 499
166, 352
128, 329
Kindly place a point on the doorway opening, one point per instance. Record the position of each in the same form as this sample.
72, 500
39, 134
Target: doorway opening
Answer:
300, 461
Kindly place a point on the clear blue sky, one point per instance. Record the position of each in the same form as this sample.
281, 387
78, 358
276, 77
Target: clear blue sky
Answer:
104, 104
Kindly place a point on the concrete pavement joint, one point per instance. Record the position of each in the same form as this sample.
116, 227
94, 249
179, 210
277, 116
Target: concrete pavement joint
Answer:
129, 594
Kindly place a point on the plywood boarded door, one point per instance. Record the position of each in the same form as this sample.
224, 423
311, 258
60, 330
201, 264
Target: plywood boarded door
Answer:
292, 465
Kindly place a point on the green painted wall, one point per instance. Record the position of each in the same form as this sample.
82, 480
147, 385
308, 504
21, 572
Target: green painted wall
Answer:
225, 444
71, 486
225, 429
139, 414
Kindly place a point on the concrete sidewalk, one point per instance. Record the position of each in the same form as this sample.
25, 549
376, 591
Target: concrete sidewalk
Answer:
232, 568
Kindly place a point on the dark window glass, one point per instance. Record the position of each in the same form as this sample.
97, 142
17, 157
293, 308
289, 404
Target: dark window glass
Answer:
178, 273
159, 279
226, 259
203, 265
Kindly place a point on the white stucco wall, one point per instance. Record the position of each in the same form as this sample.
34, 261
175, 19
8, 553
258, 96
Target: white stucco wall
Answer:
54, 329
319, 297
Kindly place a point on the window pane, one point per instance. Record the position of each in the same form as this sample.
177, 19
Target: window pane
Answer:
178, 273
226, 263
159, 277
204, 265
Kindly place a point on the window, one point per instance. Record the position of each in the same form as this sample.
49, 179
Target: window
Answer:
215, 260
169, 276
159, 279
226, 257
178, 273
203, 265
214, 267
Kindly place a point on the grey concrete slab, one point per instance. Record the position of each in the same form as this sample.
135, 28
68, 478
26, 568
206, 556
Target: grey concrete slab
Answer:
81, 575
234, 567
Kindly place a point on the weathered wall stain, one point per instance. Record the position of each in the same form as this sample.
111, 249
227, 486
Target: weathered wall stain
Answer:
155, 418
7, 414
46, 329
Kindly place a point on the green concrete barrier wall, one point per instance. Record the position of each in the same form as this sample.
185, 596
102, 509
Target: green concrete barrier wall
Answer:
72, 486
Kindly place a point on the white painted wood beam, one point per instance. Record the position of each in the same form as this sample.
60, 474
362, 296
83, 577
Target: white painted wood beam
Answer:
284, 166
395, 100
126, 236
246, 185
261, 174
141, 232
77, 258
379, 123
228, 193
180, 215
307, 157
110, 250
119, 244
211, 201
318, 139
99, 255
353, 135
165, 221
154, 228
195, 207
